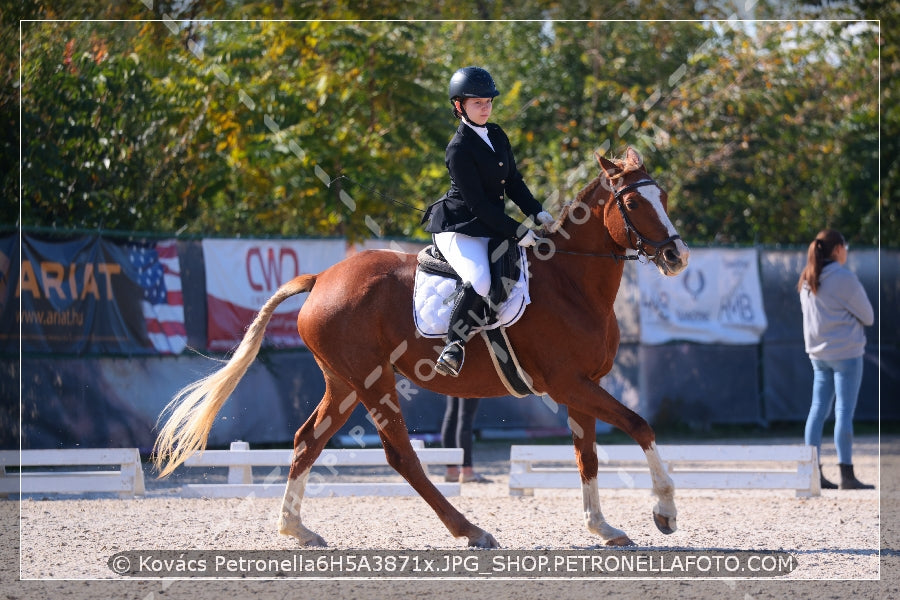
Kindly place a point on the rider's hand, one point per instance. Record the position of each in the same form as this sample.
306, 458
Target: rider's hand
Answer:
529, 239
545, 218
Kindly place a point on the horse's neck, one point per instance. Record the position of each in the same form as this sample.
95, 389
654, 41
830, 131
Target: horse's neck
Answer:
590, 257
578, 233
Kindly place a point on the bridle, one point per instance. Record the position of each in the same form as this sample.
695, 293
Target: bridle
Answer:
631, 230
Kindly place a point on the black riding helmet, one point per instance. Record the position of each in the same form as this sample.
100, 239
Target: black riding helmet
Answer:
472, 82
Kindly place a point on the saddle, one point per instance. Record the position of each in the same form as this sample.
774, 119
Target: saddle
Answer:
509, 281
505, 260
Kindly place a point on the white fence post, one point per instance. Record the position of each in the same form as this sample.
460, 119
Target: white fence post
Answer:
240, 474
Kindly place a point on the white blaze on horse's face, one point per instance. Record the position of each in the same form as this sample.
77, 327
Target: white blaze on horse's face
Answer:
666, 266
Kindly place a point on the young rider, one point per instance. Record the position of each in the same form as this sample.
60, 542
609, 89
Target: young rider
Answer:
482, 172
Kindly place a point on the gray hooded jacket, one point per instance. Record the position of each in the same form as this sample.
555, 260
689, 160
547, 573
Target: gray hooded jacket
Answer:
833, 319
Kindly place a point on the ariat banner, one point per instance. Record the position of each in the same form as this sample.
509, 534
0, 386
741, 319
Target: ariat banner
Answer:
86, 295
241, 275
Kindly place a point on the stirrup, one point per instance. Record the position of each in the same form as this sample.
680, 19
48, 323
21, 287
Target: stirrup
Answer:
450, 361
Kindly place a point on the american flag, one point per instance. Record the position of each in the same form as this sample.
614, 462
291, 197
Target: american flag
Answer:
159, 274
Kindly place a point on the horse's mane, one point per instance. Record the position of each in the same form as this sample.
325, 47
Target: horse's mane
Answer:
628, 164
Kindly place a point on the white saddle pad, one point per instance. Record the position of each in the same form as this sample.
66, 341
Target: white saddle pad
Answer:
433, 302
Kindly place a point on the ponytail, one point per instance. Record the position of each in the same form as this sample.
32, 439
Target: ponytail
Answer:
819, 253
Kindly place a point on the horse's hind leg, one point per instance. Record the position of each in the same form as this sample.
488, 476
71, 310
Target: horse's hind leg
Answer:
583, 427
309, 441
381, 401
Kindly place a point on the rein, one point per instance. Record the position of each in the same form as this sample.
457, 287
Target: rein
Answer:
615, 257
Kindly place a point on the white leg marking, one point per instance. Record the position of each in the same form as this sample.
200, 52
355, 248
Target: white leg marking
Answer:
289, 522
593, 518
663, 486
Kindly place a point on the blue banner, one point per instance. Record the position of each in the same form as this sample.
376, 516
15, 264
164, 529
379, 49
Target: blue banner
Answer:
86, 295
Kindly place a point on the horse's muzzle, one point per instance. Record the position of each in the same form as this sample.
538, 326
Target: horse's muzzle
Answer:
672, 258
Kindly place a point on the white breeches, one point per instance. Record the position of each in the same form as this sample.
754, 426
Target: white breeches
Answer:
468, 256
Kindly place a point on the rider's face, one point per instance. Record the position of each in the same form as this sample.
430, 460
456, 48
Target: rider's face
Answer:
478, 109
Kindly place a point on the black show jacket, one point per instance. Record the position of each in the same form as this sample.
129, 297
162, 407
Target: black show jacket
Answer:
479, 178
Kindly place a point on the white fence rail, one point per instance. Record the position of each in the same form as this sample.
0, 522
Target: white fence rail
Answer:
691, 467
240, 460
66, 471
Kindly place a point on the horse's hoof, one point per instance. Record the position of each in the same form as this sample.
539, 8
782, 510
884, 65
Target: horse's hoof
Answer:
303, 535
664, 524
622, 540
485, 540
306, 538
315, 540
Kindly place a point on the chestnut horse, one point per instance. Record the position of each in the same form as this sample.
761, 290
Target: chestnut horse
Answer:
358, 323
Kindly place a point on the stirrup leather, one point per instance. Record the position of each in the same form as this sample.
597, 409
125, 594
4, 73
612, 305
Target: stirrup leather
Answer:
451, 360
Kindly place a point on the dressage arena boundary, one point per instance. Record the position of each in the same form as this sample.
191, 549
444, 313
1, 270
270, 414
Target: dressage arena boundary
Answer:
690, 467
240, 460
63, 471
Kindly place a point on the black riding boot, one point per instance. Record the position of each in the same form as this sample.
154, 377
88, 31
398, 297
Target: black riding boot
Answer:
849, 480
824, 483
468, 312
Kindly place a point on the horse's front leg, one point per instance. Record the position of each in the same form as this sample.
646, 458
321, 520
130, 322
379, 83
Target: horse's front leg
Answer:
583, 427
590, 399
664, 489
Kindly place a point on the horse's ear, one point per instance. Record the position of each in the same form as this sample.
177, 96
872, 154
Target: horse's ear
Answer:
609, 167
633, 159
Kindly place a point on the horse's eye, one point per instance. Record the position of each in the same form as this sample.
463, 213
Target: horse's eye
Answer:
631, 203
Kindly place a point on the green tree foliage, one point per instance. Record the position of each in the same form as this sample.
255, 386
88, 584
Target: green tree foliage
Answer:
888, 13
92, 119
763, 132
778, 132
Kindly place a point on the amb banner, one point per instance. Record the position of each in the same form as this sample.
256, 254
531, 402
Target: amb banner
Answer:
241, 275
717, 300
87, 295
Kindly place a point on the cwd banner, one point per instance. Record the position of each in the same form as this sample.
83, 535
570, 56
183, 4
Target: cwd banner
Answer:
716, 300
241, 275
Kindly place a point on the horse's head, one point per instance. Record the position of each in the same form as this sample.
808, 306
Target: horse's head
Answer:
637, 216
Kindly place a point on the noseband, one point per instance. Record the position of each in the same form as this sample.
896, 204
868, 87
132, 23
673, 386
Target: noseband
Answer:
631, 230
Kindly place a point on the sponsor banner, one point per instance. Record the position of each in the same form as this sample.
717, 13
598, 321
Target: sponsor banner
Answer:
241, 275
9, 301
717, 299
86, 295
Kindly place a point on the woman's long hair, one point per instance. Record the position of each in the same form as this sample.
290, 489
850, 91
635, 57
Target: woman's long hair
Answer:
820, 251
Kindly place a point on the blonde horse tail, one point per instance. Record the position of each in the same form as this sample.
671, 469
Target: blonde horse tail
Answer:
193, 410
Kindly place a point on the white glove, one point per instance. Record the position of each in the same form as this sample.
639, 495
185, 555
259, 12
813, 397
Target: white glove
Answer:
545, 218
529, 239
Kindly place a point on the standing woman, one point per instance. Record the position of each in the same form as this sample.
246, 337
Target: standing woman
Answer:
835, 309
482, 172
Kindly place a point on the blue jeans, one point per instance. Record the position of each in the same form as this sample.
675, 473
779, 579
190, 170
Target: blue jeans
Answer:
835, 382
